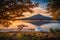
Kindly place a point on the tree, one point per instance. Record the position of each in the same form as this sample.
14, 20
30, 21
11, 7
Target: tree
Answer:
20, 27
56, 30
54, 8
10, 9
51, 30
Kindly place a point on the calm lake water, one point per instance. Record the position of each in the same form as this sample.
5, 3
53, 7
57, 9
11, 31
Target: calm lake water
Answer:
35, 25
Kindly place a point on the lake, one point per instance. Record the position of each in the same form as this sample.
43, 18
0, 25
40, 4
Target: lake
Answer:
32, 25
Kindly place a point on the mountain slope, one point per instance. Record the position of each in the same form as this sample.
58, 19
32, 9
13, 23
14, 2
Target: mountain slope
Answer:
37, 17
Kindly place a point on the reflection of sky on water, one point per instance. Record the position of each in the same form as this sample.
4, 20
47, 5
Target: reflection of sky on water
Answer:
46, 27
36, 25
15, 23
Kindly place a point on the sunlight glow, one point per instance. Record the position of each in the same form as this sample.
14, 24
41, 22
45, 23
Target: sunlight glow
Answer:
36, 10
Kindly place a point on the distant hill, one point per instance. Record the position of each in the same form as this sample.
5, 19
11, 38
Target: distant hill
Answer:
37, 17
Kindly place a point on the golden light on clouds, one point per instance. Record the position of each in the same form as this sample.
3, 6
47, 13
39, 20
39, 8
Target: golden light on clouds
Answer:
36, 10
41, 11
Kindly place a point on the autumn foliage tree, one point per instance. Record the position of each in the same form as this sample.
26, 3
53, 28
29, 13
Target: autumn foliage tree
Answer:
10, 9
54, 8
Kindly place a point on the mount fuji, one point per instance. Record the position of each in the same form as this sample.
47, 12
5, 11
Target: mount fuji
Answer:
37, 17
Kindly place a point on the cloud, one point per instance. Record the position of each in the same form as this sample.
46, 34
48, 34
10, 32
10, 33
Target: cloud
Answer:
36, 10
39, 10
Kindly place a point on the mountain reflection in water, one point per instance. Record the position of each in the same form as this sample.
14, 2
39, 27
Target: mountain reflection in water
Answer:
32, 25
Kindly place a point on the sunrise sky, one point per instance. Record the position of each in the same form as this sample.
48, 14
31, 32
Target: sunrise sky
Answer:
41, 9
